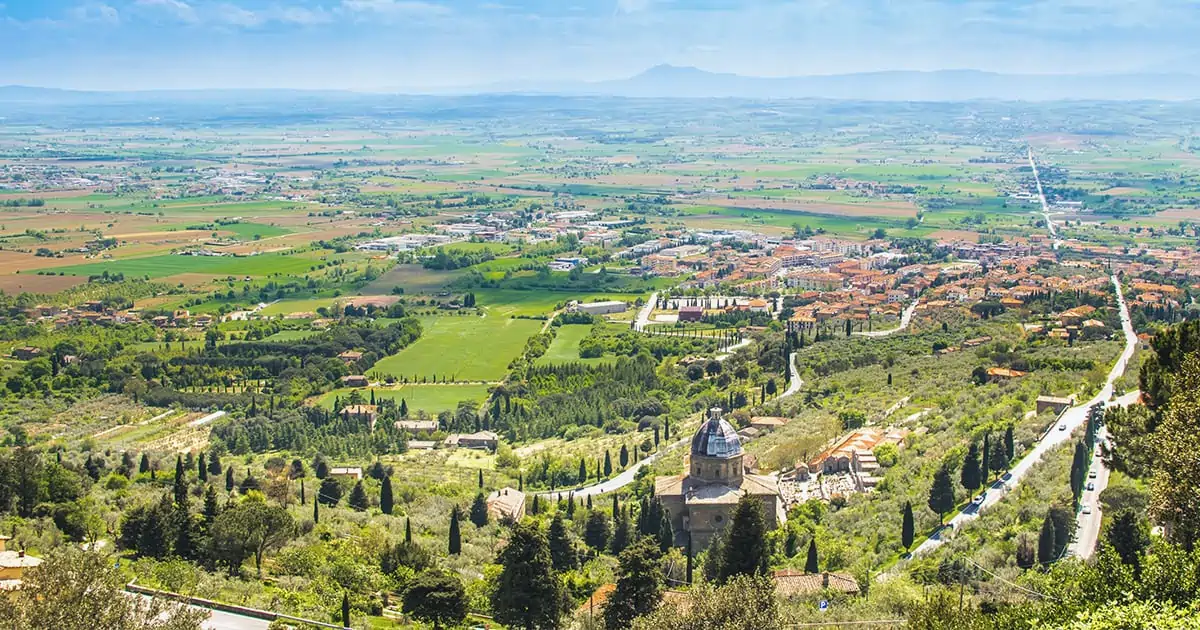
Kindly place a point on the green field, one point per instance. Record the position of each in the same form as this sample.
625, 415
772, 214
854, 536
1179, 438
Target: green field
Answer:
464, 348
247, 231
284, 307
565, 348
170, 264
432, 399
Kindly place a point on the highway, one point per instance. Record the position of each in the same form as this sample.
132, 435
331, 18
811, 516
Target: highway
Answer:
1042, 198
1073, 418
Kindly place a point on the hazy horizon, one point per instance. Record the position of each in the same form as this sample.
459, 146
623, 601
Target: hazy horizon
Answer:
389, 45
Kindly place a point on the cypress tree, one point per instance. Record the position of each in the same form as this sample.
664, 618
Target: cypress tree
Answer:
746, 551
607, 464
144, 464
403, 408
690, 559
528, 592
302, 497
201, 469
455, 546
1010, 445
970, 469
596, 530
385, 496
941, 494
639, 586
622, 534
907, 527
214, 465
624, 457
666, 428
229, 479
582, 476
985, 466
562, 552
481, 478
479, 511
810, 564
181, 484
345, 609
211, 508
791, 543
317, 510
358, 498
999, 459
408, 531
1046, 541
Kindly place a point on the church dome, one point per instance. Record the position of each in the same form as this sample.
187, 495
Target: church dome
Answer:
716, 438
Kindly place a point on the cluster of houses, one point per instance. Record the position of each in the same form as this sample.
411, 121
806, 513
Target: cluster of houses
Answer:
95, 312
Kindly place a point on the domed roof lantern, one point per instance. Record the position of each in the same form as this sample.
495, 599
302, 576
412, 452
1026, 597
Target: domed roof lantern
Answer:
716, 438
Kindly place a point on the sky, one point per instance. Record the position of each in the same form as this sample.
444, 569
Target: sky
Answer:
413, 45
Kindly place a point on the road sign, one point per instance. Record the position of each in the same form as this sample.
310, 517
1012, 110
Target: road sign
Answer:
824, 605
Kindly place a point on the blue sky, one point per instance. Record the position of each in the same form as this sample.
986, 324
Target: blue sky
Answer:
399, 44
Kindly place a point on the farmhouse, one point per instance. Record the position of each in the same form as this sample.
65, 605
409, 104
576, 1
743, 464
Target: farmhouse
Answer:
418, 427
996, 374
481, 439
506, 504
350, 356
856, 452
792, 583
700, 502
766, 424
355, 380
691, 313
367, 413
354, 472
13, 565
26, 353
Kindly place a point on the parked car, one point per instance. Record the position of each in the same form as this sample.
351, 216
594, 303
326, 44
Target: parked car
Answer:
1091, 486
1062, 427
1087, 509
1091, 474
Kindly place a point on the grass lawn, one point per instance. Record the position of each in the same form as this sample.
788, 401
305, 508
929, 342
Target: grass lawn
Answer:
430, 398
283, 307
292, 335
565, 348
463, 348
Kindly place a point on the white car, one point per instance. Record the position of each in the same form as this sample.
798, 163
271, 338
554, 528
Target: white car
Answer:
1091, 474
1087, 509
1062, 427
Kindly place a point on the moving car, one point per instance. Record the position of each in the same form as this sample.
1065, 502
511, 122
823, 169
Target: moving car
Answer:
1087, 509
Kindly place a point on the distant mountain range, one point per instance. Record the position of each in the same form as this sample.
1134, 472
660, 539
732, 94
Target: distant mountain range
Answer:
899, 85
667, 81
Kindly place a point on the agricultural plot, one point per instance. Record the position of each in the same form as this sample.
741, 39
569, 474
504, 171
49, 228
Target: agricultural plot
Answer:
431, 399
170, 265
461, 349
565, 347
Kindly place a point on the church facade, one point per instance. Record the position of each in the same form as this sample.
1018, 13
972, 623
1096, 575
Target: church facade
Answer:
701, 500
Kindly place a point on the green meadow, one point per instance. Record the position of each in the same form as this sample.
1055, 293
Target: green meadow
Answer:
463, 348
431, 399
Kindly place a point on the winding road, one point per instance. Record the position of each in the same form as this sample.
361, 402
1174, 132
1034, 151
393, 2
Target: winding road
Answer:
905, 320
1072, 418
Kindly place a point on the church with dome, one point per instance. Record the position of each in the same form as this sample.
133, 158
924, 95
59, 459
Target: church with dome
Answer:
701, 501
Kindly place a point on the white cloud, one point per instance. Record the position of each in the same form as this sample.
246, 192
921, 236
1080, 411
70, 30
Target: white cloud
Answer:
181, 10
234, 15
394, 7
95, 12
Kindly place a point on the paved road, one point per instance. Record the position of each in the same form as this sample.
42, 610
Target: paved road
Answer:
905, 319
1073, 418
620, 481
794, 380
1042, 198
219, 620
1087, 526
643, 317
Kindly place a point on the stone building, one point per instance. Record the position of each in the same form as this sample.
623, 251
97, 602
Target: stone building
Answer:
701, 501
